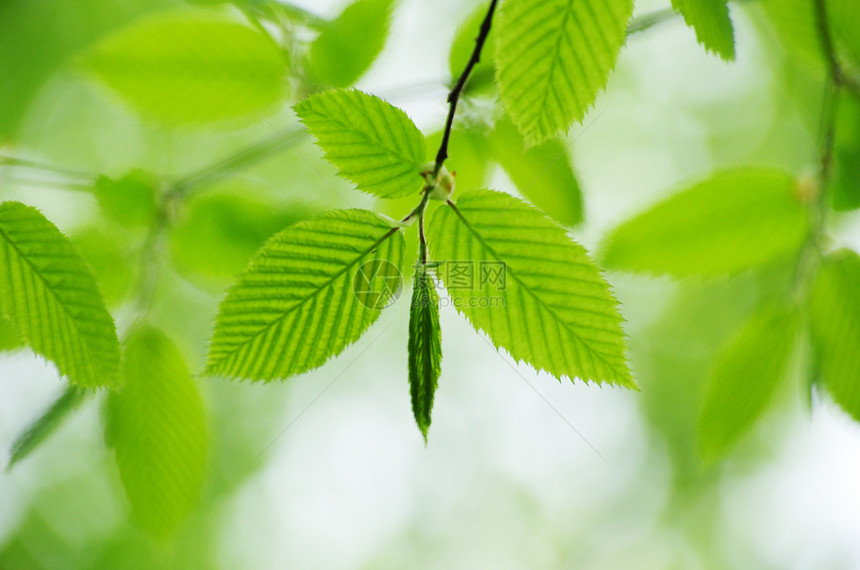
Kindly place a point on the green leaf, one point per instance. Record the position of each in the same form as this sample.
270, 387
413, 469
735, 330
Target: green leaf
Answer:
845, 182
532, 289
129, 200
46, 425
9, 337
425, 348
191, 67
219, 233
542, 173
712, 24
844, 17
52, 299
744, 379
469, 152
483, 74
373, 143
553, 57
157, 427
835, 308
733, 221
348, 45
310, 292
794, 22
112, 257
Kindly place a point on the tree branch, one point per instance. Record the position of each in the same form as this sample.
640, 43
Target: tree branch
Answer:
454, 95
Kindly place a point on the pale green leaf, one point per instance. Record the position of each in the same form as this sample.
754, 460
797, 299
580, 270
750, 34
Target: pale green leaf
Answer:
733, 221
373, 143
712, 24
311, 291
745, 376
129, 200
157, 427
348, 45
52, 299
425, 348
46, 424
835, 307
553, 57
191, 67
483, 73
218, 234
518, 276
542, 173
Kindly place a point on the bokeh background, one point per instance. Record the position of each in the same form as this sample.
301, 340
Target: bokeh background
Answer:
327, 470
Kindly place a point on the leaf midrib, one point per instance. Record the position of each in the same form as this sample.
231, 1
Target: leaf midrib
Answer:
8, 240
539, 301
211, 366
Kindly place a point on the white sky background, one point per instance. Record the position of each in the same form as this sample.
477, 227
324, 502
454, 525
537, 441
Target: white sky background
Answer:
505, 481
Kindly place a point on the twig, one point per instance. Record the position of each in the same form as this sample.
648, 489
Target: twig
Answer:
454, 95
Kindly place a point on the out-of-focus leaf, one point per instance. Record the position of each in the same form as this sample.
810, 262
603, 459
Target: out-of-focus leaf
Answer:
515, 274
129, 200
425, 348
157, 427
712, 24
483, 73
845, 182
37, 38
348, 45
373, 143
794, 22
52, 299
744, 379
10, 339
112, 258
46, 424
310, 292
542, 173
733, 221
219, 233
191, 67
469, 151
835, 305
553, 57
844, 16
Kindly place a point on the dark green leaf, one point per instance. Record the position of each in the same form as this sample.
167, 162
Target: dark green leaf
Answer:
425, 347
733, 221
46, 425
745, 377
518, 276
310, 292
52, 299
157, 427
349, 44
835, 306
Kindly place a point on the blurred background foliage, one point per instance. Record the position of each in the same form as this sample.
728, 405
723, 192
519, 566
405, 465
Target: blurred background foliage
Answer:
167, 197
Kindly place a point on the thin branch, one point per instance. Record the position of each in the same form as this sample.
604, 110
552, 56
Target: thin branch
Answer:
14, 161
454, 95
647, 21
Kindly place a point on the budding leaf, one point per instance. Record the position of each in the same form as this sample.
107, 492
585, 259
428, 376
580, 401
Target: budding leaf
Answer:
311, 291
517, 275
52, 300
425, 348
733, 221
373, 143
